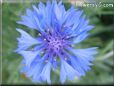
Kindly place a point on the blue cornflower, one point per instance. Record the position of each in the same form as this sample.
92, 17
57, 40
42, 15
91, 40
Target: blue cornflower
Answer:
58, 30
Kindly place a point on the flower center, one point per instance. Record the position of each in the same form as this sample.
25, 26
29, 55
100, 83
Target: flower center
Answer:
55, 43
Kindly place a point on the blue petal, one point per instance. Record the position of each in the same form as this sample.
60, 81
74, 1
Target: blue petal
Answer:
42, 9
76, 64
59, 10
39, 25
28, 20
81, 34
83, 30
67, 70
68, 13
83, 57
38, 47
36, 76
63, 74
55, 17
61, 6
79, 29
34, 69
88, 52
29, 56
41, 17
45, 75
54, 63
37, 12
79, 38
81, 23
25, 41
48, 12
82, 26
72, 16
71, 21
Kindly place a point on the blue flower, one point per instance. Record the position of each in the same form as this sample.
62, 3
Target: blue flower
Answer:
58, 30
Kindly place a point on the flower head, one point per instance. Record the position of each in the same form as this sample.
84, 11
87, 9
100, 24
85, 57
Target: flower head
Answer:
58, 30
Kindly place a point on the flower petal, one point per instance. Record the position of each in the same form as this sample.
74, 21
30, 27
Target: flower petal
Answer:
28, 20
82, 57
87, 53
29, 56
79, 38
72, 17
67, 70
45, 75
25, 41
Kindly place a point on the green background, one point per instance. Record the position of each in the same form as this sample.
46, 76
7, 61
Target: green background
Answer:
101, 36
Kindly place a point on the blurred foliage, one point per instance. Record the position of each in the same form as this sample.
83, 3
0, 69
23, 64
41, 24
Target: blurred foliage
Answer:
101, 36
